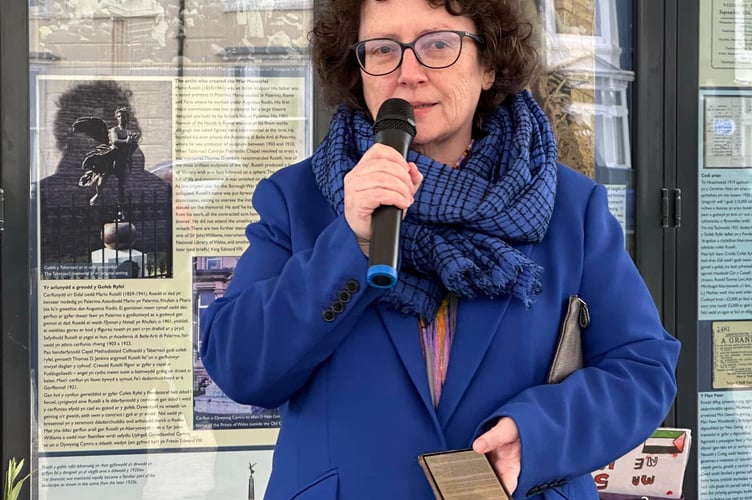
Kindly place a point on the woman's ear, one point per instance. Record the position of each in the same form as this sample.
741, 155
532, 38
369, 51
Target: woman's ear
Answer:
489, 77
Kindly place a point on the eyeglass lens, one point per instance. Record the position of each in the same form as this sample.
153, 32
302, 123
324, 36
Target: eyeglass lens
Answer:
436, 50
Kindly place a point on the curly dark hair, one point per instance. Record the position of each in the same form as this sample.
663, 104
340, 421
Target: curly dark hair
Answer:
509, 47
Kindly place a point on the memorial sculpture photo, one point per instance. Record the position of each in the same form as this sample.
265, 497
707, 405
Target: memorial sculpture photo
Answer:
111, 157
92, 227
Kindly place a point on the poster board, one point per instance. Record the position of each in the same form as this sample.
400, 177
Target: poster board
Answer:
136, 227
117, 350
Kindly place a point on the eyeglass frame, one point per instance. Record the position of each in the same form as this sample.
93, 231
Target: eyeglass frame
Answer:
411, 45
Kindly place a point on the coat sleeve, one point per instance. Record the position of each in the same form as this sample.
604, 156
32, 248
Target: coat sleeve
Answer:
289, 305
600, 412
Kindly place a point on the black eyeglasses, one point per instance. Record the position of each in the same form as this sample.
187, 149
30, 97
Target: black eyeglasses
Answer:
435, 50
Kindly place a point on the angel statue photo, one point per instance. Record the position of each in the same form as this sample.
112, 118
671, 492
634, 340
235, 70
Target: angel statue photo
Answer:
103, 214
111, 156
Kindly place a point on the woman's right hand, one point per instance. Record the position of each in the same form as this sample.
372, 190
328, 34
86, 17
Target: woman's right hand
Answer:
381, 177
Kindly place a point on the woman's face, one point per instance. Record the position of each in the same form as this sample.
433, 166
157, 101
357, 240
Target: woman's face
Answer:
444, 100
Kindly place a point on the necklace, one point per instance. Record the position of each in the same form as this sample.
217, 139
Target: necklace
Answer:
461, 159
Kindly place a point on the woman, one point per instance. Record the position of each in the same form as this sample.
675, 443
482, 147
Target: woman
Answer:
496, 237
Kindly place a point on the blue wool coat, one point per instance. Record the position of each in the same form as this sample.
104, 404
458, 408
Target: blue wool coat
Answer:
300, 329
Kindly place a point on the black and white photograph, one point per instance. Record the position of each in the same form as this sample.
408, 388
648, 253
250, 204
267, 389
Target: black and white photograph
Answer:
102, 213
212, 408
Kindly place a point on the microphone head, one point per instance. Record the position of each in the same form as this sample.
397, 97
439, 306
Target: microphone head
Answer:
395, 113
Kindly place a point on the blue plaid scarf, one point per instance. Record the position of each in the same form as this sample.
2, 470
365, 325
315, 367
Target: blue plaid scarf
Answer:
456, 236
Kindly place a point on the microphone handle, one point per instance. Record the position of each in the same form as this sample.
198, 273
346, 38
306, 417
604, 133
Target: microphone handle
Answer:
383, 249
396, 139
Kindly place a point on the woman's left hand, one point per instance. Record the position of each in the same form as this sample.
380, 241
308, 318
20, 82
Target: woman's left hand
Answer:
502, 446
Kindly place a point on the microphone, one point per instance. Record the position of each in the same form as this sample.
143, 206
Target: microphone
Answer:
395, 127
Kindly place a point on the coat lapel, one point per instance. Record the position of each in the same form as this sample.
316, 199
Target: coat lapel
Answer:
408, 347
478, 322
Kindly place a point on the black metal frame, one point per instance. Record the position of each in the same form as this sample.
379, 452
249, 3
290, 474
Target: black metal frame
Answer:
685, 93
666, 138
14, 267
666, 153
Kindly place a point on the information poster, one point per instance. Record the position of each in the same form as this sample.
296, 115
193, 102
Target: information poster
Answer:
725, 43
125, 272
725, 250
146, 149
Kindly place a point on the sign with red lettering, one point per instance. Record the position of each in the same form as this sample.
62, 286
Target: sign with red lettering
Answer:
655, 468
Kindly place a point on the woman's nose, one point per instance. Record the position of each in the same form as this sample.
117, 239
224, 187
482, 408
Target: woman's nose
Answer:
411, 70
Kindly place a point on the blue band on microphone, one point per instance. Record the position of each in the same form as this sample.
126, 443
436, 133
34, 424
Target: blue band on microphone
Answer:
382, 276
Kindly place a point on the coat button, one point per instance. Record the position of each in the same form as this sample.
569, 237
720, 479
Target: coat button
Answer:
344, 296
352, 286
338, 306
328, 315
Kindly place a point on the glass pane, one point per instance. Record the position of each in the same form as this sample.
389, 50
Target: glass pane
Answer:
585, 91
575, 17
152, 121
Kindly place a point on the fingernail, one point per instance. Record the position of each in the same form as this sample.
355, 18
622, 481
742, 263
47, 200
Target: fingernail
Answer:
480, 445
